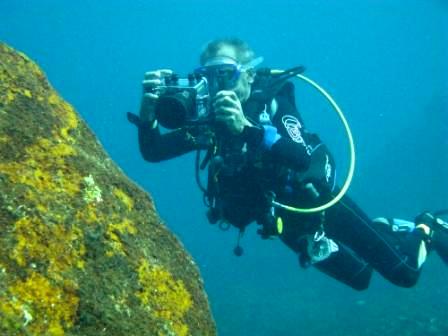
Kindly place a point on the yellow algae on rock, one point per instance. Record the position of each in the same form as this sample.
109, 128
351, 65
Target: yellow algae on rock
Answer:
124, 198
44, 157
39, 306
39, 242
114, 232
164, 297
27, 93
76, 231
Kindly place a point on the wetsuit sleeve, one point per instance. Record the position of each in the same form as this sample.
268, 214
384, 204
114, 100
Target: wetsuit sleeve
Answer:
156, 147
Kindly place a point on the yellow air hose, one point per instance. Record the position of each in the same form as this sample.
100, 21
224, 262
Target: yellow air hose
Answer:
351, 169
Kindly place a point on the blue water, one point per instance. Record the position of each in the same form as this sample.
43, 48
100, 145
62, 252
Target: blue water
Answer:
385, 62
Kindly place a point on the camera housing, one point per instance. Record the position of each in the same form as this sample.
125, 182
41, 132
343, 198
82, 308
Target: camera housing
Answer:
182, 101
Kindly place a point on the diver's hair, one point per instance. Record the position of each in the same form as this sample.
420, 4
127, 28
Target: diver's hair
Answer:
244, 53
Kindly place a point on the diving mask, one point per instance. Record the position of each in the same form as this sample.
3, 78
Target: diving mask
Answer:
223, 72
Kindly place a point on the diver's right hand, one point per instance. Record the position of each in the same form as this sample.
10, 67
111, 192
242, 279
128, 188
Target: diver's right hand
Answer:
151, 80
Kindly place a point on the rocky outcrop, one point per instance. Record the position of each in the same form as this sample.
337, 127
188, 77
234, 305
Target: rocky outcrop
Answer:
82, 250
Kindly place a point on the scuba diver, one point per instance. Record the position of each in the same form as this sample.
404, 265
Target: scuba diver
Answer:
259, 155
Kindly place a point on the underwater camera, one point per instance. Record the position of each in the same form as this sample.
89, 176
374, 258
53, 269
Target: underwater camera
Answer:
182, 101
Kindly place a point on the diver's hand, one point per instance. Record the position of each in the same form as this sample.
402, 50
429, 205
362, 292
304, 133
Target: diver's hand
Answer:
229, 112
151, 80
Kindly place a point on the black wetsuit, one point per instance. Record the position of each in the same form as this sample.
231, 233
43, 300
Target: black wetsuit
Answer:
281, 157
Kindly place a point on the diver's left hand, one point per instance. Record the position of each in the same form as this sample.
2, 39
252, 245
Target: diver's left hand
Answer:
229, 112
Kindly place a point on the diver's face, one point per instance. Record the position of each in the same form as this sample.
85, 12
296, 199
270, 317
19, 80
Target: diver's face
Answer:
243, 84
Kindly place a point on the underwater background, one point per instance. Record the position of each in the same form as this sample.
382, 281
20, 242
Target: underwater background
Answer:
385, 63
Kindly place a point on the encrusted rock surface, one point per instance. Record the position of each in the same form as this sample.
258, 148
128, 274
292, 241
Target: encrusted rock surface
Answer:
82, 249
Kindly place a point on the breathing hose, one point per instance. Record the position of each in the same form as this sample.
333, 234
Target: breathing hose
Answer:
351, 169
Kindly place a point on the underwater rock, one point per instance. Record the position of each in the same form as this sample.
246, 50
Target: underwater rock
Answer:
82, 249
